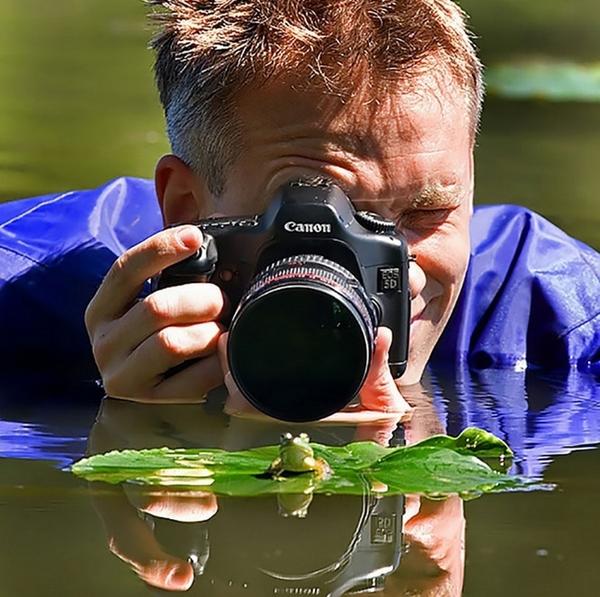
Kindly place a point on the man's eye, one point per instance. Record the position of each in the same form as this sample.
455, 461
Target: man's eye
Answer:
423, 218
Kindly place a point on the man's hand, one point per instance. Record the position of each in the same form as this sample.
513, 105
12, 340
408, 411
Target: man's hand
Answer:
380, 391
136, 343
132, 540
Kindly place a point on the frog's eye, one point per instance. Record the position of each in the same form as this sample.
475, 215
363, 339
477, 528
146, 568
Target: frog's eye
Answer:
286, 437
304, 437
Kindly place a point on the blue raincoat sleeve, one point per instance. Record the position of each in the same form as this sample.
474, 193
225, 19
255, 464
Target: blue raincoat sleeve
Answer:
54, 252
531, 296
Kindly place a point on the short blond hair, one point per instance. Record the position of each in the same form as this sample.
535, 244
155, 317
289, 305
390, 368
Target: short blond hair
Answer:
208, 51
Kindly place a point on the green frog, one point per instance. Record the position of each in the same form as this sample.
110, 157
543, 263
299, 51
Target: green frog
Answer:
297, 456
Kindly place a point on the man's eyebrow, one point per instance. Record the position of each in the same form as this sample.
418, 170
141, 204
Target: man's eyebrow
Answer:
437, 196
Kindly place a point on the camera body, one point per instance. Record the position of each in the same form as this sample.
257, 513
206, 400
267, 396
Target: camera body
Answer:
320, 222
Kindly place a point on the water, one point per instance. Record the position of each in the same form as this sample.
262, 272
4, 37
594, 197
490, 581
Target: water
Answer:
56, 526
77, 107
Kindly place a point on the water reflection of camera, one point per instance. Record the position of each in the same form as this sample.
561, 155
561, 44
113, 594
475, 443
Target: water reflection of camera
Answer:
309, 280
347, 545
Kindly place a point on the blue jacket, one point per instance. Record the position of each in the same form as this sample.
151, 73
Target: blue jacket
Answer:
531, 297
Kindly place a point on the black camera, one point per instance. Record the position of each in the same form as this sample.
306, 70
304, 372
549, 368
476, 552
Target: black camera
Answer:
309, 281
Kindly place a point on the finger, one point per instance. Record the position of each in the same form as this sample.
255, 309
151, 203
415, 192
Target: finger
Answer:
191, 384
176, 306
222, 352
168, 573
132, 541
127, 275
446, 516
237, 404
357, 414
169, 348
182, 506
380, 432
436, 537
380, 392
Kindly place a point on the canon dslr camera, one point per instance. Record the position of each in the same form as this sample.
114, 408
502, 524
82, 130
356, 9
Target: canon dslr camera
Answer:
309, 281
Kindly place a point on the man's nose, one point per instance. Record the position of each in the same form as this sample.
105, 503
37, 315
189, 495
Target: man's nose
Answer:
416, 278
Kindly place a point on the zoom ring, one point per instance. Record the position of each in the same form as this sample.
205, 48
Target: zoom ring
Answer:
319, 270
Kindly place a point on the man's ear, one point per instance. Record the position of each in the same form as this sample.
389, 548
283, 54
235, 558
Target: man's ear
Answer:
182, 194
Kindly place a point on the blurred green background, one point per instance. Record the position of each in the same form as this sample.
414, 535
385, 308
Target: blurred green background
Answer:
78, 105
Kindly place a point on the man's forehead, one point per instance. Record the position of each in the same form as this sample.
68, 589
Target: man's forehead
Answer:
360, 121
414, 150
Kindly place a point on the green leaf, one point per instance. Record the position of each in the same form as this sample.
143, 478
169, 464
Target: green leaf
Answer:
472, 441
438, 466
545, 80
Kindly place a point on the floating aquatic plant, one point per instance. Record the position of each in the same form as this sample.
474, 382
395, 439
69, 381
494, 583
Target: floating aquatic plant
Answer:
438, 466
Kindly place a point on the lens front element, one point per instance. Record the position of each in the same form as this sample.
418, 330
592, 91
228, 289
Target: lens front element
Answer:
301, 341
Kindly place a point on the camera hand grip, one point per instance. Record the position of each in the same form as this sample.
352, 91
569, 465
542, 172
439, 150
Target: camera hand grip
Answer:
197, 268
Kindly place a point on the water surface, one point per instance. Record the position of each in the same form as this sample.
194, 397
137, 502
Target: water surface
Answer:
522, 543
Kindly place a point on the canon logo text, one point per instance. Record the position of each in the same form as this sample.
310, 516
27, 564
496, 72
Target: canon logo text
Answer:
307, 227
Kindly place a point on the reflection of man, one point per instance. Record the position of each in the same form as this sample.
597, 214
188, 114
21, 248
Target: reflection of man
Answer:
174, 539
381, 97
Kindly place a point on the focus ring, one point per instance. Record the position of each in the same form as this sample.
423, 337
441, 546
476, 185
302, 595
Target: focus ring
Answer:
318, 269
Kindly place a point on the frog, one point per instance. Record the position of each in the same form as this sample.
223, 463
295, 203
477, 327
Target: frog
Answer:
295, 505
297, 456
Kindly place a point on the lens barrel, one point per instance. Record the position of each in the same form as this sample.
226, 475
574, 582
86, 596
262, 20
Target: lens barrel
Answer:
301, 341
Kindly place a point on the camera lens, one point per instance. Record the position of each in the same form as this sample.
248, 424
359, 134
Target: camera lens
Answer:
301, 341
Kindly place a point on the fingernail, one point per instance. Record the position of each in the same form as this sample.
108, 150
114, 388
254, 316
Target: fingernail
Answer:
190, 237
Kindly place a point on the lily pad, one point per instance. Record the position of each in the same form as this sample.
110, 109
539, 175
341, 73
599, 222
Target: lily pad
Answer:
439, 466
545, 80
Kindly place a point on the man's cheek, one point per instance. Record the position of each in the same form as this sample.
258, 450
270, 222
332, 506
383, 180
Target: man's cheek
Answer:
445, 259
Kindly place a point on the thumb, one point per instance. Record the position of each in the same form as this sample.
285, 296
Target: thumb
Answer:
380, 392
132, 541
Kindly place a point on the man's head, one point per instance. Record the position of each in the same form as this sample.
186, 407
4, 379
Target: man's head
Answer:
381, 96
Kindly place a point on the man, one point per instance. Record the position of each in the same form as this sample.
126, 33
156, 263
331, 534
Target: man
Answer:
382, 98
